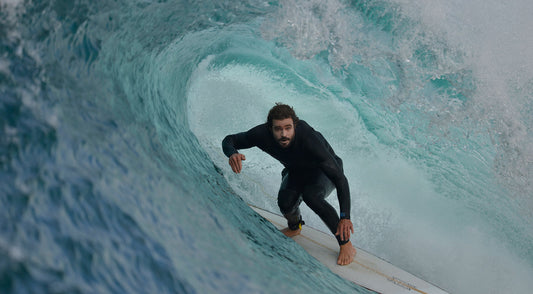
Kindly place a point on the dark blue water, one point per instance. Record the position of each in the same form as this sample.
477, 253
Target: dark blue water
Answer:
112, 179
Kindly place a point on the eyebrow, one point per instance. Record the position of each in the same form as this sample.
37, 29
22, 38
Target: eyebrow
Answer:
284, 126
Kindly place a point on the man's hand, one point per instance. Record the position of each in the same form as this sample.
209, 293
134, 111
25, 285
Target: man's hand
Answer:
235, 161
344, 228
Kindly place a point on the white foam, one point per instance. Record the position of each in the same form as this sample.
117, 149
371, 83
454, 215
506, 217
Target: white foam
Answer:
495, 38
310, 27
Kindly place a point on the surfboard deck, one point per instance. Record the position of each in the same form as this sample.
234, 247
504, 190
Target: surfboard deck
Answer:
366, 270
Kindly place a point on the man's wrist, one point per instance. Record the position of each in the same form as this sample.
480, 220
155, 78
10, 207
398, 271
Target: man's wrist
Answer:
344, 216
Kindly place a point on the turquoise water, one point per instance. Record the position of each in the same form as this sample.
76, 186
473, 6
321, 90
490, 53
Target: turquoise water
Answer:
112, 179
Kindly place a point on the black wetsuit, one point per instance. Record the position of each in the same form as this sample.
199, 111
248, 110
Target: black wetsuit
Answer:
312, 170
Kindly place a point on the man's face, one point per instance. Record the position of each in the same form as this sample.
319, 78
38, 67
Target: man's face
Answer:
283, 131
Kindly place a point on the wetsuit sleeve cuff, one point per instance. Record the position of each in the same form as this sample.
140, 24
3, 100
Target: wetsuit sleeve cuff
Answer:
344, 216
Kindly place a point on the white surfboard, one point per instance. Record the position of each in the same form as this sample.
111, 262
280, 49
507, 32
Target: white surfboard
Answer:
366, 270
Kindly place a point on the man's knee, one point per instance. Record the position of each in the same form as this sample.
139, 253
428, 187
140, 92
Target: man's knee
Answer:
288, 201
314, 197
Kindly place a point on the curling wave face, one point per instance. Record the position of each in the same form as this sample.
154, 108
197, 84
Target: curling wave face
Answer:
112, 113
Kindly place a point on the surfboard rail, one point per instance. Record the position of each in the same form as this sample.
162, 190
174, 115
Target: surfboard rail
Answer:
367, 270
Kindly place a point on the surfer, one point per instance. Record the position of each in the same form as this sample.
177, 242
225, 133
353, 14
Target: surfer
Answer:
311, 171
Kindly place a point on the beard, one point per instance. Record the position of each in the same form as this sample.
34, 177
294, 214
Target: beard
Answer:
284, 141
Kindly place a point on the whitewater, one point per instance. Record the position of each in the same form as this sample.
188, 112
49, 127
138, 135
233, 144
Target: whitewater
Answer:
112, 177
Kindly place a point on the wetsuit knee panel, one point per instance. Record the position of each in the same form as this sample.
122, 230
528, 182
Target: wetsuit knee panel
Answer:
288, 201
314, 198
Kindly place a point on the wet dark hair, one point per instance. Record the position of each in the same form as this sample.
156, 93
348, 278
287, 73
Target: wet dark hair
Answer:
281, 111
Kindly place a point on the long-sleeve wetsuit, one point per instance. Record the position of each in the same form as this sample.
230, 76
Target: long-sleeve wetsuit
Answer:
308, 151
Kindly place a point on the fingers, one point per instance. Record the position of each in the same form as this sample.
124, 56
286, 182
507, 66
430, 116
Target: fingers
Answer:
235, 161
347, 230
345, 235
344, 228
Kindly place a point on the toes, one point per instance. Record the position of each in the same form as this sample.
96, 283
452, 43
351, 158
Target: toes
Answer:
340, 260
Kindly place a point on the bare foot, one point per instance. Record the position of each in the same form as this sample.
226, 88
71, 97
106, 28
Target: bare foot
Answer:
291, 233
346, 254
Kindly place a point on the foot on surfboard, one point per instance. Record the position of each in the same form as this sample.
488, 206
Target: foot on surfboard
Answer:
293, 230
346, 254
291, 233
